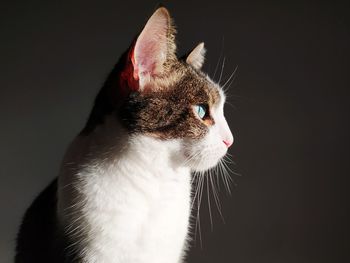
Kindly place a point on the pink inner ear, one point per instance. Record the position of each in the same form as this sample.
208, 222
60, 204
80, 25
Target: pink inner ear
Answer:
145, 59
150, 49
149, 55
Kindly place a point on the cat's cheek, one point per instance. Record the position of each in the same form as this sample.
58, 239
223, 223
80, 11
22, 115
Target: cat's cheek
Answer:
205, 154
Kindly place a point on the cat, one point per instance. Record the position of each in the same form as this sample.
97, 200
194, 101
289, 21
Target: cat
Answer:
123, 192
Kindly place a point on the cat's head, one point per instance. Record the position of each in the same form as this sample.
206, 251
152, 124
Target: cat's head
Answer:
169, 98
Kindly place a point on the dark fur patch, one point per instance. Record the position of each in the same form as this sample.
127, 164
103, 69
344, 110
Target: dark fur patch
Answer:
40, 238
168, 112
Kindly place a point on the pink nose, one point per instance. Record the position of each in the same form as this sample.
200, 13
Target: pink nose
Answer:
227, 143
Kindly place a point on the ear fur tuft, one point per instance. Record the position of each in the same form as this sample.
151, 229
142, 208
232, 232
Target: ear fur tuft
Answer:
197, 56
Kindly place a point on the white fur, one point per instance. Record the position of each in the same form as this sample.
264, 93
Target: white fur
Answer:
126, 199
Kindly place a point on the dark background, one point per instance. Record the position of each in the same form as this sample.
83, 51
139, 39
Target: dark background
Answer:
290, 116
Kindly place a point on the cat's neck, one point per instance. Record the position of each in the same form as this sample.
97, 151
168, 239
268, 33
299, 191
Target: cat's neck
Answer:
111, 145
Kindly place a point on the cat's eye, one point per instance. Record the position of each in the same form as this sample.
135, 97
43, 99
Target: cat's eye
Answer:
201, 110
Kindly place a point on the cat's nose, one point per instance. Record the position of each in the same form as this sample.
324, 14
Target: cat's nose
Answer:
228, 143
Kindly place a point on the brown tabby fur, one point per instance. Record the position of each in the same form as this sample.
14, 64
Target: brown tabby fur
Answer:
164, 107
168, 112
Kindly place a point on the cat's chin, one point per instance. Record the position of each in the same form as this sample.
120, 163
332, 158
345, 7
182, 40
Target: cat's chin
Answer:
203, 166
202, 163
201, 158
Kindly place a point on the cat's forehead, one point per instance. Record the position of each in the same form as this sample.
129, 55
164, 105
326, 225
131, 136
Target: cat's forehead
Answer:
202, 88
193, 86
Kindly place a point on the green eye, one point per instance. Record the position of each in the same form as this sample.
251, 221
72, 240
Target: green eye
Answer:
201, 110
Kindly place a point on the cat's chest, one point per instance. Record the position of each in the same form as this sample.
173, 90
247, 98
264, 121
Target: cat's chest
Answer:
160, 201
140, 211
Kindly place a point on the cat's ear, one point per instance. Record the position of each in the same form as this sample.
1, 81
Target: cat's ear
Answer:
197, 56
153, 47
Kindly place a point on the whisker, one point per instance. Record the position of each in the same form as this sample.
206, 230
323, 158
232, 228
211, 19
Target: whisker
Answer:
222, 69
225, 180
199, 197
230, 104
209, 205
220, 56
190, 158
216, 196
228, 80
228, 168
228, 160
197, 190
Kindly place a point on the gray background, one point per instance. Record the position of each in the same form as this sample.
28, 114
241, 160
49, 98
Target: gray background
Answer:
290, 116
